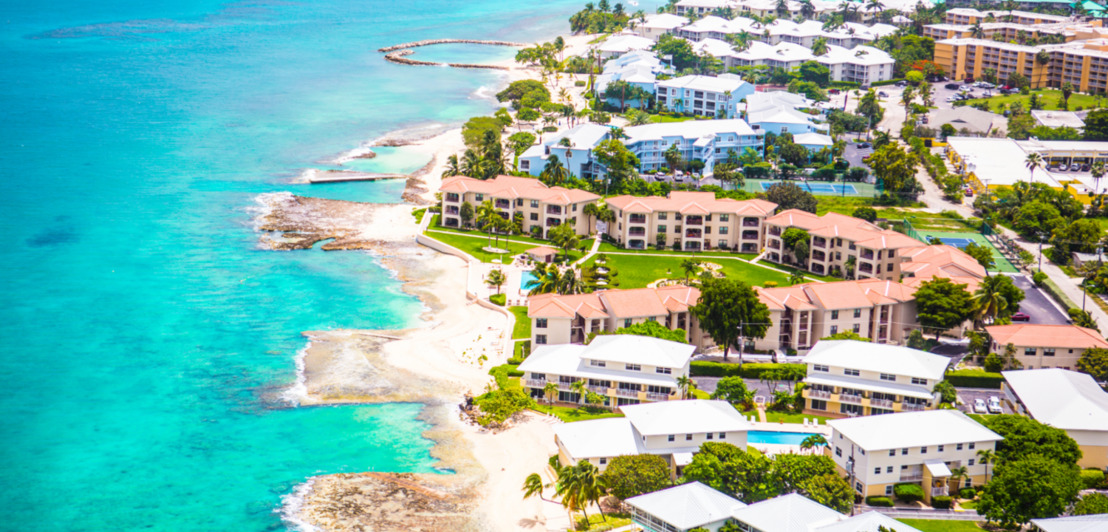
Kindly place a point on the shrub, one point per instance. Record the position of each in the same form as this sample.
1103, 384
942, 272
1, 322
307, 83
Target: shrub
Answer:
942, 502
975, 378
579, 83
503, 372
1092, 478
881, 502
771, 284
1039, 278
703, 368
908, 492
550, 129
499, 299
967, 493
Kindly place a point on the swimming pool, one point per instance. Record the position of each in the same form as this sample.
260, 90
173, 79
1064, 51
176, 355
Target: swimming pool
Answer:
527, 281
776, 438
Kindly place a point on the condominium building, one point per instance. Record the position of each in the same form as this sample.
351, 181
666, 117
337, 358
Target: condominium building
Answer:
883, 311
674, 430
963, 58
852, 378
879, 452
541, 206
638, 69
659, 24
1072, 523
709, 141
691, 221
624, 369
837, 241
861, 64
621, 43
1065, 400
711, 96
571, 319
682, 508
846, 62
968, 16
1041, 346
573, 150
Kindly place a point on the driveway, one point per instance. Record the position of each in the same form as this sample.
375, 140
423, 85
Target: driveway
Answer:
854, 155
1038, 304
968, 395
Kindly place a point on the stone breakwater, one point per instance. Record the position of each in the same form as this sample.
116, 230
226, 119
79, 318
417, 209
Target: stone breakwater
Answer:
398, 58
396, 53
428, 42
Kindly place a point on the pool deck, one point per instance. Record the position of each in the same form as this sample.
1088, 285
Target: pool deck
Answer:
770, 449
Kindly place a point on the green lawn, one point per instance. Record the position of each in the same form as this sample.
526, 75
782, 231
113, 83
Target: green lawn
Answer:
777, 417
473, 242
523, 323
940, 525
570, 415
520, 238
637, 271
607, 247
842, 205
1051, 99
603, 522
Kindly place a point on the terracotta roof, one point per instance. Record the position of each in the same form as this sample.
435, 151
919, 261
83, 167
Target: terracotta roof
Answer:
835, 225
636, 303
1058, 336
687, 202
516, 187
559, 306
835, 296
542, 251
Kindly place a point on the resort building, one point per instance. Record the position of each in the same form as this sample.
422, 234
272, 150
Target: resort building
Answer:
709, 141
624, 369
1065, 400
858, 64
659, 24
703, 95
768, 112
883, 311
639, 69
621, 43
917, 447
1080, 62
852, 378
1072, 523
864, 65
969, 121
1041, 346
570, 319
541, 206
691, 221
683, 508
572, 148
968, 16
673, 430
839, 243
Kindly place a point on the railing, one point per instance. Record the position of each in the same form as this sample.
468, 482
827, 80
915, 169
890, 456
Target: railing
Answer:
750, 235
883, 403
452, 209
693, 233
911, 477
819, 243
603, 390
912, 407
452, 197
854, 399
819, 394
503, 204
651, 396
865, 268
775, 244
775, 231
868, 255
620, 392
550, 222
535, 383
694, 221
939, 492
750, 223
637, 219
637, 231
550, 209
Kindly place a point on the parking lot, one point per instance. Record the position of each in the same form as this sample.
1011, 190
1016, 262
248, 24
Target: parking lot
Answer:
969, 395
854, 154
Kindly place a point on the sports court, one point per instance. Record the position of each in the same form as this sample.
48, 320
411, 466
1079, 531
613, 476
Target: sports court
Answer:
960, 240
817, 188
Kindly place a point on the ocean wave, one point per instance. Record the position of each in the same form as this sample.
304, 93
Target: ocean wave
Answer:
265, 204
298, 391
293, 503
363, 151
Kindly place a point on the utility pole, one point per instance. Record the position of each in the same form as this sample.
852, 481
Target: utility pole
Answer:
1042, 237
850, 466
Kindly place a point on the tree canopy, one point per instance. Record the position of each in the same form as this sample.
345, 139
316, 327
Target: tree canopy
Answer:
729, 309
942, 305
1094, 361
655, 330
1032, 487
732, 389
1024, 436
790, 196
629, 476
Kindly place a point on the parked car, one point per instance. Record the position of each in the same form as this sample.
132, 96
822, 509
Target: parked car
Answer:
994, 405
902, 84
969, 192
882, 95
832, 91
864, 144
979, 406
1085, 167
1019, 316
952, 86
1061, 168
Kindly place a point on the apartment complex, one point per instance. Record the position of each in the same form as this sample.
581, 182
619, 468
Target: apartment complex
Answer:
1065, 400
570, 319
917, 447
691, 221
541, 206
1045, 346
852, 378
711, 96
674, 430
838, 241
1084, 63
968, 16
624, 369
709, 141
572, 149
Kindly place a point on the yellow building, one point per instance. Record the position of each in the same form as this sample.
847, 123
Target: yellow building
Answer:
963, 58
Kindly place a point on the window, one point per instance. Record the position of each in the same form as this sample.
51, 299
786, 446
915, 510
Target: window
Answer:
671, 437
598, 363
663, 371
969, 481
724, 217
540, 339
480, 197
627, 322
819, 404
838, 452
834, 315
887, 377
972, 445
723, 435
850, 372
877, 471
889, 469
889, 489
709, 435
970, 461
1048, 351
892, 452
603, 461
941, 448
834, 330
904, 451
534, 216
632, 367
688, 437
958, 447
857, 328
923, 450
723, 230
917, 380
820, 367
662, 216
1029, 352
857, 313
661, 228
540, 323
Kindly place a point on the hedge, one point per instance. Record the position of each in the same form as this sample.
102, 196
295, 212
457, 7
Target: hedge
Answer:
974, 378
499, 299
503, 372
908, 492
1092, 478
967, 493
881, 502
702, 368
886, 82
942, 502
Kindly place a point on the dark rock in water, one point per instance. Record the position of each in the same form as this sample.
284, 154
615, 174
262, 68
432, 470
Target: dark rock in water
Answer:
53, 237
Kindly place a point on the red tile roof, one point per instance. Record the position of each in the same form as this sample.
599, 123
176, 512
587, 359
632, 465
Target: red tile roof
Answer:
510, 187
1037, 335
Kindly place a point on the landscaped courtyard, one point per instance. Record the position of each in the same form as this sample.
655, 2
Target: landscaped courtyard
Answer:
637, 270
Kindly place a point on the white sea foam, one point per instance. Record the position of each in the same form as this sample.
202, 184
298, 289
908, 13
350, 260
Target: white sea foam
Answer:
265, 203
485, 92
298, 391
291, 506
361, 151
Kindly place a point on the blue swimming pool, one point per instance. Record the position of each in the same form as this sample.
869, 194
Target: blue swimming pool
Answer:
777, 438
527, 281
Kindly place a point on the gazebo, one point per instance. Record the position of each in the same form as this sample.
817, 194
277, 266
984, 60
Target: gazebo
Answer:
542, 254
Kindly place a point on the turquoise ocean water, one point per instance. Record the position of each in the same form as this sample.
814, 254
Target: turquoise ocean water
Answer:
146, 342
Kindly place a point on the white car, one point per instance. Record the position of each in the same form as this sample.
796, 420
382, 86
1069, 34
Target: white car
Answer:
994, 405
979, 406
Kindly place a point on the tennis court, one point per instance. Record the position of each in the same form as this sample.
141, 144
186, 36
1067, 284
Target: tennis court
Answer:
825, 189
960, 240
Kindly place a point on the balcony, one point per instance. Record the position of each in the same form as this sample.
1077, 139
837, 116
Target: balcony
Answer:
939, 492
775, 244
913, 407
819, 394
452, 197
881, 403
867, 254
554, 209
693, 233
535, 383
694, 220
775, 231
638, 219
911, 477
503, 204
636, 231
651, 396
551, 222
852, 399
620, 392
750, 235
865, 268
602, 390
452, 209
819, 242
750, 222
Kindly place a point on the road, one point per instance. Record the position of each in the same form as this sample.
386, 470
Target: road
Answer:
1038, 304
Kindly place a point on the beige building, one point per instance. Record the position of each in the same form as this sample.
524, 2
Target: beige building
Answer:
570, 319
1066, 400
693, 221
1045, 346
541, 206
915, 447
1084, 63
971, 16
852, 378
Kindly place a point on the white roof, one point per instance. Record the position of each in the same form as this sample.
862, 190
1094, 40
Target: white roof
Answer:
713, 47
691, 129
780, 115
570, 360
812, 139
625, 43
783, 51
598, 438
664, 21
684, 417
1060, 398
859, 55
880, 358
774, 100
643, 350
687, 506
586, 135
787, 513
1074, 523
937, 468
994, 161
867, 522
912, 429
704, 83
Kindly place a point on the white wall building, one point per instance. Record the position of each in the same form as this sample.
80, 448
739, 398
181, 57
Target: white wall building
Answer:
1065, 400
572, 147
711, 96
703, 140
682, 508
621, 43
659, 24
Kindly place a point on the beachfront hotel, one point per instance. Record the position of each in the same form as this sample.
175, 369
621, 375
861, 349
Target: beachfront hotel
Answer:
912, 447
852, 378
1040, 346
1065, 400
711, 96
624, 369
692, 221
541, 206
570, 319
673, 430
573, 148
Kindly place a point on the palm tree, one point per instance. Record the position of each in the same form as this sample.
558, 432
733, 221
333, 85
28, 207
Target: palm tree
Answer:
496, 278
579, 388
485, 216
807, 10
1098, 170
988, 301
564, 237
976, 31
452, 167
815, 440
797, 277
685, 385
986, 456
906, 100
590, 210
956, 476
874, 5
1033, 162
533, 486
550, 391
783, 8
546, 276
691, 265
580, 485
1067, 91
570, 283
471, 164
554, 173
819, 46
